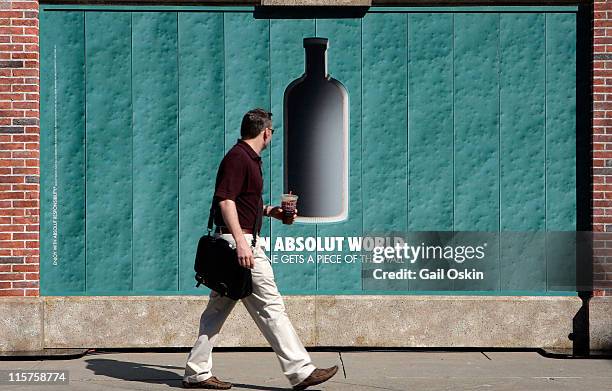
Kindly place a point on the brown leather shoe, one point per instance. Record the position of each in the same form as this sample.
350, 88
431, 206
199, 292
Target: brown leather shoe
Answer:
317, 376
212, 383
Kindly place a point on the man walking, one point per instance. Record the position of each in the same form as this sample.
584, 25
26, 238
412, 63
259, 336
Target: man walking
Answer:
238, 192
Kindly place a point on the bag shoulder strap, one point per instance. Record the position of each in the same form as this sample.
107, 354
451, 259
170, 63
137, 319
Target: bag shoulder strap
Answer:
211, 216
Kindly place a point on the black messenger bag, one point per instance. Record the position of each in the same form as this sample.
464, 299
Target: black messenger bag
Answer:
216, 263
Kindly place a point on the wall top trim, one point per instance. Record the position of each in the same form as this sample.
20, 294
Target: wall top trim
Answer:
425, 4
273, 7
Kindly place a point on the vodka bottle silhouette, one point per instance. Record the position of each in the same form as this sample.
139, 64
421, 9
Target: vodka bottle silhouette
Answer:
316, 145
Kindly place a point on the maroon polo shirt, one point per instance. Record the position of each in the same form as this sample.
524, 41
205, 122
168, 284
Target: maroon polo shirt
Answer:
240, 178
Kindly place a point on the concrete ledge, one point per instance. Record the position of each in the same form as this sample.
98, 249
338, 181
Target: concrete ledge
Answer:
154, 321
600, 315
21, 323
385, 321
408, 321
446, 321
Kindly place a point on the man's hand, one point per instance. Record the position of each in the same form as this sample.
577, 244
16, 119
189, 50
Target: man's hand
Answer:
245, 254
277, 213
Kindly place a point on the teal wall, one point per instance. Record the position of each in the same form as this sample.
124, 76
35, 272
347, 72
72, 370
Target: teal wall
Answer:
460, 119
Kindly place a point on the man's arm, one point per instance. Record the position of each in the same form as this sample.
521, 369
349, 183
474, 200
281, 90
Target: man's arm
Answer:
230, 217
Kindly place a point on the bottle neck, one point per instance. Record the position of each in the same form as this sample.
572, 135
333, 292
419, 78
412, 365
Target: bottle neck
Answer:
316, 62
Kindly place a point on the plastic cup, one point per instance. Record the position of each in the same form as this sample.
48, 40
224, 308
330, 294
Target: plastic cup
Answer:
288, 203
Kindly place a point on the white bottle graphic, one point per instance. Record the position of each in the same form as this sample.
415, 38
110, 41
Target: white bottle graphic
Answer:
316, 140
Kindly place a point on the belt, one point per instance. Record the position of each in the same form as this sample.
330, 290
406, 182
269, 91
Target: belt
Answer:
225, 230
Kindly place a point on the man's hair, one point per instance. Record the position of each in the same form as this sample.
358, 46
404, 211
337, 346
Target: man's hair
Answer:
254, 122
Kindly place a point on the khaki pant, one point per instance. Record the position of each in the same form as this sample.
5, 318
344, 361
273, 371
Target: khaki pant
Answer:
266, 307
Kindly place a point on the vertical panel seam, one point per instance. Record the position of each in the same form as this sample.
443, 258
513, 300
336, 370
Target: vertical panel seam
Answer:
499, 178
454, 135
545, 158
453, 109
361, 133
545, 122
316, 226
132, 137
453, 125
361, 137
408, 123
178, 161
407, 85
269, 201
85, 142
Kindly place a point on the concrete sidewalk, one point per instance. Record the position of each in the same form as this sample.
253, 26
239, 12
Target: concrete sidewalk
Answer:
358, 371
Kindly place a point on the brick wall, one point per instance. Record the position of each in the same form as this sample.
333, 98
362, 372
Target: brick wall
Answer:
19, 148
602, 143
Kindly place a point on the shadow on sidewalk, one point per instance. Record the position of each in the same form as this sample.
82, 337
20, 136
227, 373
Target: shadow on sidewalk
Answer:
150, 373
